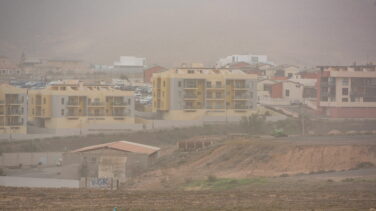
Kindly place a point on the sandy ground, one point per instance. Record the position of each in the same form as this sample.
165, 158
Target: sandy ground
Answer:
277, 194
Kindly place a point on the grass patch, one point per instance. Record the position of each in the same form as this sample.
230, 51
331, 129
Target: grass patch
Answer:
222, 183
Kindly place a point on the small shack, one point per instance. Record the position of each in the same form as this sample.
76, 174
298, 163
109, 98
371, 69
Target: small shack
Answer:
117, 160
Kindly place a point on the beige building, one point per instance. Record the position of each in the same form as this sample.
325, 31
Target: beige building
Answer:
75, 105
204, 93
13, 110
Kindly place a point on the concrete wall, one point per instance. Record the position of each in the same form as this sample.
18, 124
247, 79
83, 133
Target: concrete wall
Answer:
30, 158
38, 182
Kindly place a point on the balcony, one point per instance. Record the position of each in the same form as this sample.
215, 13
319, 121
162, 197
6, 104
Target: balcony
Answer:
14, 101
96, 104
190, 96
14, 123
14, 113
119, 104
215, 86
215, 107
187, 107
97, 114
215, 97
242, 97
190, 86
73, 103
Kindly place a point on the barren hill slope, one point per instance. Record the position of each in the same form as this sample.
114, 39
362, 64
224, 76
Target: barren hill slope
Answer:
239, 158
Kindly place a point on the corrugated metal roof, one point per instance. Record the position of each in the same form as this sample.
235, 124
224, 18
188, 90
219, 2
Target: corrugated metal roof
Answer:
122, 146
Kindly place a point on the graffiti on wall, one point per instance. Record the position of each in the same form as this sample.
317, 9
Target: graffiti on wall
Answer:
102, 183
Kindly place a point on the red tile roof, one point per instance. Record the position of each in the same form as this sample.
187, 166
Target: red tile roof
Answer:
239, 65
125, 146
279, 78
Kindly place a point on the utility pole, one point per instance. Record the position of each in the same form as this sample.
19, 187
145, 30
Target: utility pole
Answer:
302, 119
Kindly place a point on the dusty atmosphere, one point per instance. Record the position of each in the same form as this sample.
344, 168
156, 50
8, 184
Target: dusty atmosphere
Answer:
188, 105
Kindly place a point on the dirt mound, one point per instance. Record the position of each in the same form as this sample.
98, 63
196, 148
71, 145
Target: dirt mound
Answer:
246, 158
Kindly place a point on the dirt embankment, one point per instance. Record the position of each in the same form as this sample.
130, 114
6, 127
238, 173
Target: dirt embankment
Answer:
247, 158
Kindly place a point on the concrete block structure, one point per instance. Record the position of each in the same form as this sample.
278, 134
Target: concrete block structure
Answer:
75, 105
117, 160
13, 110
347, 91
204, 93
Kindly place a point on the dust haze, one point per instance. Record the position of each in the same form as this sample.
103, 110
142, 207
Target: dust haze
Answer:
169, 32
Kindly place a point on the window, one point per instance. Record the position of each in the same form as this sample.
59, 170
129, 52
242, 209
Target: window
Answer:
289, 75
62, 101
129, 101
179, 84
345, 91
345, 81
345, 99
218, 84
164, 83
44, 100
62, 111
287, 92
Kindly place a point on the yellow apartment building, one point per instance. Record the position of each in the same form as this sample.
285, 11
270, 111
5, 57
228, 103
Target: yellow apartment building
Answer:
75, 105
204, 93
13, 110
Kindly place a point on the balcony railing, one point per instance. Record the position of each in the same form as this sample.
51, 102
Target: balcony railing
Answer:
73, 103
14, 112
96, 114
96, 104
190, 86
241, 86
215, 107
215, 86
14, 123
190, 96
242, 97
215, 97
191, 107
14, 101
119, 103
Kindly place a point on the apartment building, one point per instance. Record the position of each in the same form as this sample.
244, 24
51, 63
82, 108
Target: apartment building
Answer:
13, 112
199, 93
347, 91
75, 105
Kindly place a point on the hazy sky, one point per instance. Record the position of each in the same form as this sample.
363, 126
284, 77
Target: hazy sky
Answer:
168, 32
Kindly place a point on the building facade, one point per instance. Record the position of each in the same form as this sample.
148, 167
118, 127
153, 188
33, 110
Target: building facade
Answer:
130, 66
13, 110
191, 94
347, 91
75, 105
250, 59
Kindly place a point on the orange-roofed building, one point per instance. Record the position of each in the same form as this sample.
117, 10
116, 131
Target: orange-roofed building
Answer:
148, 73
118, 160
